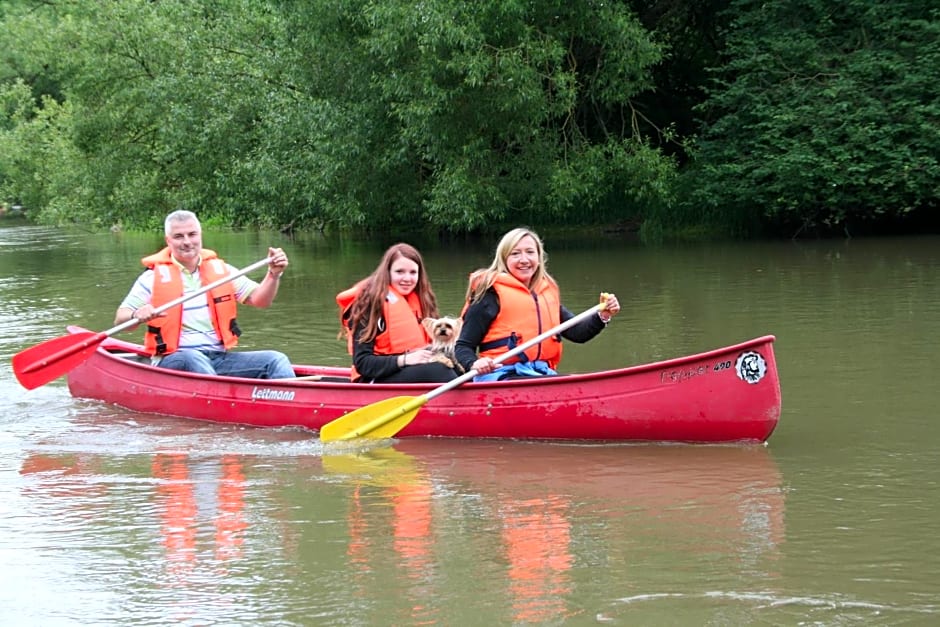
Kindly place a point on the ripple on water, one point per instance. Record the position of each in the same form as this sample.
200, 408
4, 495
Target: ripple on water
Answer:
742, 607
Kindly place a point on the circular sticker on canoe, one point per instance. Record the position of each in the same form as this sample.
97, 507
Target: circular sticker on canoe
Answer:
751, 367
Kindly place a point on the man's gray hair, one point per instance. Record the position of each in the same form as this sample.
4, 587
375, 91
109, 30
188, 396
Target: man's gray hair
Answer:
180, 215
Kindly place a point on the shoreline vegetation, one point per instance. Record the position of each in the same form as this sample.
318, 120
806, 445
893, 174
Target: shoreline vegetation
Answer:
656, 121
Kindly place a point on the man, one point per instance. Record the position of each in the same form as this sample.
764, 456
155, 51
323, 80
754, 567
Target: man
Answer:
197, 335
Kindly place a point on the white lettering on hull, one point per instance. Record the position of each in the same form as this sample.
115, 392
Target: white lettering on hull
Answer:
267, 394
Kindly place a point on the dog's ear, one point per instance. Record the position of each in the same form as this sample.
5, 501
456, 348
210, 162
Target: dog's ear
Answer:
428, 324
458, 324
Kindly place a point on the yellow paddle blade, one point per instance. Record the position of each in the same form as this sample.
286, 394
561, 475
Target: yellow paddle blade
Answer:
378, 421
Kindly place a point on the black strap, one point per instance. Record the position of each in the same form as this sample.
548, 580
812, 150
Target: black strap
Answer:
510, 343
158, 337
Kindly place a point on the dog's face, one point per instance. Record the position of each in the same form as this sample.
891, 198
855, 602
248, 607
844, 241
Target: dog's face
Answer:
443, 330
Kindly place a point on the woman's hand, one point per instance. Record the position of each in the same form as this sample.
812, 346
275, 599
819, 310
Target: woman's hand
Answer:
611, 308
484, 365
413, 358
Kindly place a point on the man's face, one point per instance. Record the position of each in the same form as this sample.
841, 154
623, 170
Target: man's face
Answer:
185, 241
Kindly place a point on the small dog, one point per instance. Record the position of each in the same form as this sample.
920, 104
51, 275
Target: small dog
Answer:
444, 332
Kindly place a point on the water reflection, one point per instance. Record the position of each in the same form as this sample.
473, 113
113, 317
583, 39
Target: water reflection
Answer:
408, 492
640, 533
196, 505
561, 516
536, 537
190, 493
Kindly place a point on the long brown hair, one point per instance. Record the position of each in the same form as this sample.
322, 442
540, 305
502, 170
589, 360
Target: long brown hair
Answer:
482, 279
369, 302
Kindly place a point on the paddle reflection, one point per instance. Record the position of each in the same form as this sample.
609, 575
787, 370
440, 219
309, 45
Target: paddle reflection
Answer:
63, 475
527, 501
403, 485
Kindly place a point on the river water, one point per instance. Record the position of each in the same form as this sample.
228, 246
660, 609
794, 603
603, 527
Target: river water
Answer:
110, 517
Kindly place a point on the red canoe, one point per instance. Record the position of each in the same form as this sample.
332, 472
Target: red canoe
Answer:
729, 394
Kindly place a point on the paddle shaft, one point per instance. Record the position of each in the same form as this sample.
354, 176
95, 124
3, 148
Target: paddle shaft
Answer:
185, 297
29, 365
519, 349
409, 408
100, 337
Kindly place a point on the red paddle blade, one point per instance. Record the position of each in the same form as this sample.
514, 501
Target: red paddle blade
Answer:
53, 358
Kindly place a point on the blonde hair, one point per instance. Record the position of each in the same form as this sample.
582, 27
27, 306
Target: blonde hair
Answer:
482, 279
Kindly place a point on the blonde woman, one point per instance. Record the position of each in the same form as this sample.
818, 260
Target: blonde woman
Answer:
512, 301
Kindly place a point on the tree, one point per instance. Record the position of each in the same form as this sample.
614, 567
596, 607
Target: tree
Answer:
826, 118
465, 113
450, 113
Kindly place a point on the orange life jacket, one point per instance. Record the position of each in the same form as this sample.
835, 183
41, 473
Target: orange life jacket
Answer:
163, 333
524, 314
403, 329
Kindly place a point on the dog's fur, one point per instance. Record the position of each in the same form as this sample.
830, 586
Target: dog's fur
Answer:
444, 332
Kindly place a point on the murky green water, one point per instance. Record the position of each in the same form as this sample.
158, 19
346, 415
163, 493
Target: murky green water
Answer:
113, 517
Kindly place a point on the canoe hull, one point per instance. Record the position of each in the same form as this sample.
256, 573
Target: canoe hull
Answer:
724, 395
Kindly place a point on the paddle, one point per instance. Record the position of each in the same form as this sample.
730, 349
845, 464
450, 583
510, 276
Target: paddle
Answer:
387, 417
51, 359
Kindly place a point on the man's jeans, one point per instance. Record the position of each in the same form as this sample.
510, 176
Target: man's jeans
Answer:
250, 364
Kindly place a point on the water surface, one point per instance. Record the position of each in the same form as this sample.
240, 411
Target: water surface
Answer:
113, 517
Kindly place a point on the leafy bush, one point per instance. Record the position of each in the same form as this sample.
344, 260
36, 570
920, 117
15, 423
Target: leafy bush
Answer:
825, 118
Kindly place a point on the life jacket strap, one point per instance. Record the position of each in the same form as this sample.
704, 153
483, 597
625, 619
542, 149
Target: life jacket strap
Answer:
510, 343
158, 337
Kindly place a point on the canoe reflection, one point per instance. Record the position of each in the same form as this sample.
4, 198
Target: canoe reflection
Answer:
620, 502
530, 527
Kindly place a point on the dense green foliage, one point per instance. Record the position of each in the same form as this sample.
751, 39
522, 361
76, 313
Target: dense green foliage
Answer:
717, 116
825, 117
334, 112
